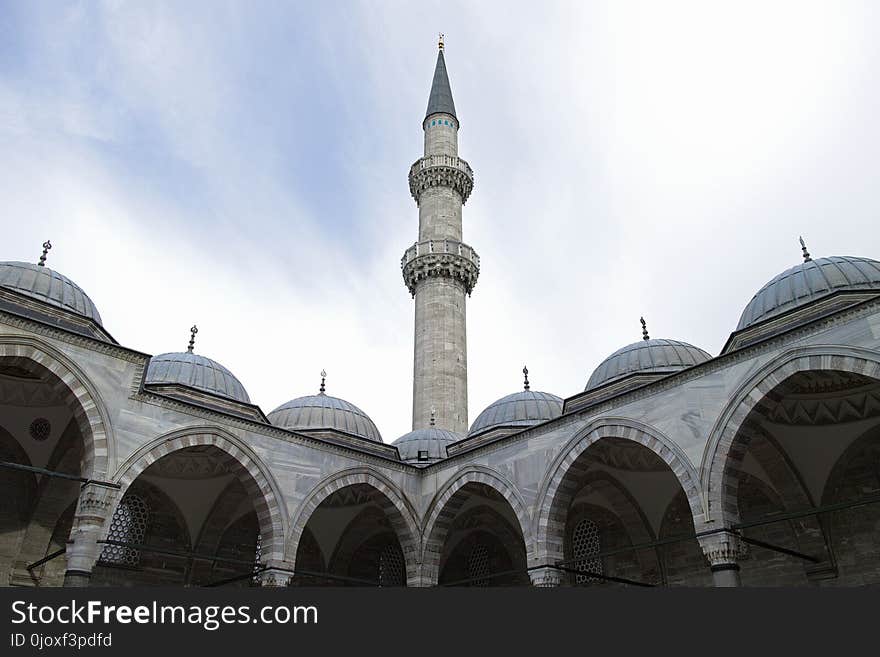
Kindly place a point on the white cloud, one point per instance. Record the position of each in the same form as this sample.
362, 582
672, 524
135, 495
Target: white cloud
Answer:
630, 158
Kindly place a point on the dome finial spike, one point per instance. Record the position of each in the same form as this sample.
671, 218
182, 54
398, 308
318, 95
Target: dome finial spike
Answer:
807, 257
192, 338
440, 41
645, 335
526, 375
46, 246
433, 413
323, 378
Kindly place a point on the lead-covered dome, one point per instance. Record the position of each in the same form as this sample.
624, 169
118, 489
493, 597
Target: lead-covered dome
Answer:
44, 284
195, 371
425, 445
520, 409
808, 282
322, 411
649, 356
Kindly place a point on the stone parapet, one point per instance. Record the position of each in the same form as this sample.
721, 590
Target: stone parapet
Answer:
441, 170
442, 258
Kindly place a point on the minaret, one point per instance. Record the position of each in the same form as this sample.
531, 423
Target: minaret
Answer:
440, 269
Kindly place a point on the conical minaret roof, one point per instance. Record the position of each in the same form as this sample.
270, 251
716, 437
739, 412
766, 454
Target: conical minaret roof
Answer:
440, 100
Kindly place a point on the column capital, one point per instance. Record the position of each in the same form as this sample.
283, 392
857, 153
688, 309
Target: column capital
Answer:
545, 577
276, 574
91, 522
723, 550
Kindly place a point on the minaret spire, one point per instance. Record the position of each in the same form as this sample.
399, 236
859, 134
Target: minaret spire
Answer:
440, 270
440, 99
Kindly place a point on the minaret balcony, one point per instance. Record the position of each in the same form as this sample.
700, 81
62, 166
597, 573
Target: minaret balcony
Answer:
441, 170
440, 258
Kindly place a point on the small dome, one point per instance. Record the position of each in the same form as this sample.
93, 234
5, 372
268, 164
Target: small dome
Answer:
322, 411
807, 282
195, 371
647, 357
40, 282
431, 440
521, 409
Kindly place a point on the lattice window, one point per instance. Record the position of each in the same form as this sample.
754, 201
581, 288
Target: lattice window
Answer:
478, 565
585, 544
129, 524
391, 569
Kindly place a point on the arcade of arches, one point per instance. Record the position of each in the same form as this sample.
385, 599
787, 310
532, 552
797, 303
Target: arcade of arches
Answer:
619, 517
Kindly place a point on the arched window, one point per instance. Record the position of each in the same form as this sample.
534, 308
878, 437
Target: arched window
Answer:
391, 570
585, 545
478, 565
129, 525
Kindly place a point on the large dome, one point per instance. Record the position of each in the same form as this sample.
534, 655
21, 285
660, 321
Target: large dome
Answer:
807, 282
521, 409
654, 356
40, 282
322, 411
195, 371
431, 441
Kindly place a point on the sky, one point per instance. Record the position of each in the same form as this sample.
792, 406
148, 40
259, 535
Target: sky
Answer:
242, 166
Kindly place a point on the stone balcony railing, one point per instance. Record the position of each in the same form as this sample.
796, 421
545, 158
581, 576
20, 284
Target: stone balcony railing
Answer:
441, 170
441, 258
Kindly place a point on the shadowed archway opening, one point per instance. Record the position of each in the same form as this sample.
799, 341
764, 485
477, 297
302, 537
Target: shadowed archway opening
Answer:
351, 539
811, 442
615, 501
188, 520
40, 437
482, 543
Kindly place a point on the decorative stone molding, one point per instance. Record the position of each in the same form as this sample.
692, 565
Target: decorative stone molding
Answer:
441, 171
440, 258
546, 577
723, 549
275, 576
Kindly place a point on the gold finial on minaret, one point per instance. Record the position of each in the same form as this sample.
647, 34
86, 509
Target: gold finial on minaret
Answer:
440, 41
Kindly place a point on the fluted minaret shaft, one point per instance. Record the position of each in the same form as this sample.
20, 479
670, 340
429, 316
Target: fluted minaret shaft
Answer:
439, 269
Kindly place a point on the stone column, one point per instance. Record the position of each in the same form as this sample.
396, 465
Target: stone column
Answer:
546, 577
90, 524
724, 551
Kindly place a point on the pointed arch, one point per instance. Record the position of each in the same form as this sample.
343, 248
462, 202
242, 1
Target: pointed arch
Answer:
724, 453
77, 391
251, 471
441, 514
391, 499
550, 518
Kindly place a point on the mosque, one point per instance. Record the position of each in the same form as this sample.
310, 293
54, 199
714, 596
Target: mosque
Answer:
673, 467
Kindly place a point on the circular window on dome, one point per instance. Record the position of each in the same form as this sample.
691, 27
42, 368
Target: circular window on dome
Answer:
40, 429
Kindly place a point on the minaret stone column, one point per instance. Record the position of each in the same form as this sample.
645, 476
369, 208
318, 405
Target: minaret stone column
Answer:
439, 269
